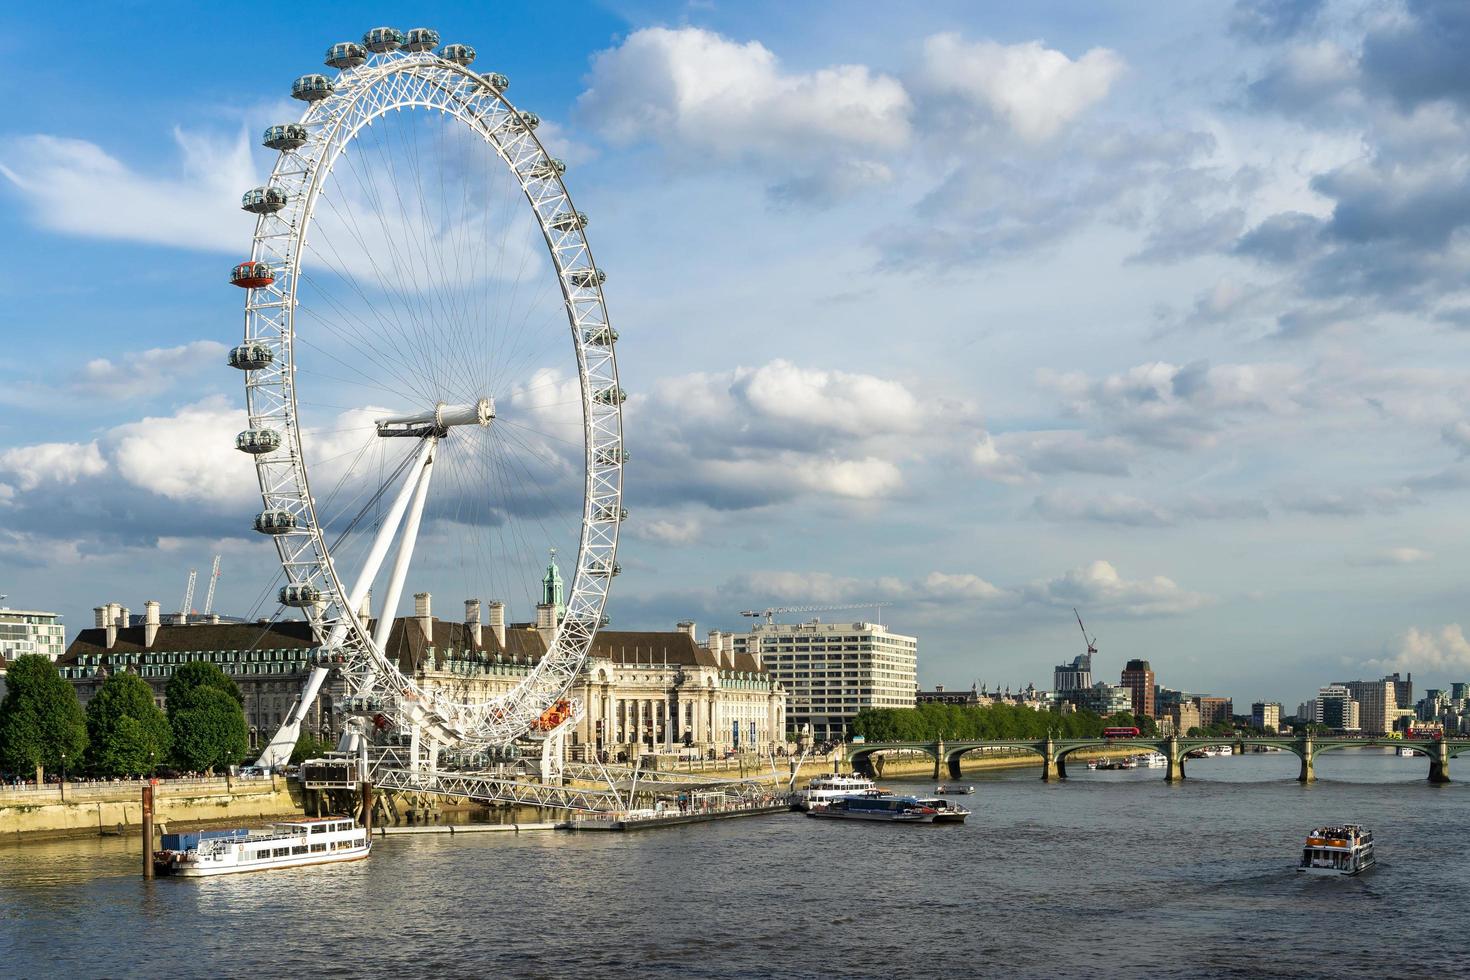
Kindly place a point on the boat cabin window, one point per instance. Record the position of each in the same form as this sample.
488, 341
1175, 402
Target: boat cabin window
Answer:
318, 848
299, 849
320, 828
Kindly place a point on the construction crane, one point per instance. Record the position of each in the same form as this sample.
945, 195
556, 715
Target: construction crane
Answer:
188, 596
1091, 640
770, 614
213, 578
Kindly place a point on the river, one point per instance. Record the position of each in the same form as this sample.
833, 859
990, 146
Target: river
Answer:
1106, 873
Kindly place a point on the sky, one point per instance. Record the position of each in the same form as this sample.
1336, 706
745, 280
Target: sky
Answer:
985, 311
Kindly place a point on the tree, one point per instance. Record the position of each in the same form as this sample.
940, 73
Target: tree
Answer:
128, 735
191, 678
308, 746
41, 720
209, 733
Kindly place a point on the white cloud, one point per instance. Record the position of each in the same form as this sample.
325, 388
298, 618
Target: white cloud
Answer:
50, 462
76, 187
1034, 89
1099, 586
146, 372
697, 92
1394, 556
941, 585
754, 436
188, 457
1111, 508
668, 531
995, 465
1444, 650
1180, 407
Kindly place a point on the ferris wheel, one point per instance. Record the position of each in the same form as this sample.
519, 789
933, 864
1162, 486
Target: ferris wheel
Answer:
416, 271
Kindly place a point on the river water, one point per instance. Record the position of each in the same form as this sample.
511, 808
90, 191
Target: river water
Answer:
1107, 873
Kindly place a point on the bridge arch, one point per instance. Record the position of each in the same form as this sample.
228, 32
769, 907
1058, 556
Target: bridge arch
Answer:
860, 756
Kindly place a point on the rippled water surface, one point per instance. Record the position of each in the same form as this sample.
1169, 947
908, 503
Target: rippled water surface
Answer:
1108, 873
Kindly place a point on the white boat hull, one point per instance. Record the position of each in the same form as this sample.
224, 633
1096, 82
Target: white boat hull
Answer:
198, 869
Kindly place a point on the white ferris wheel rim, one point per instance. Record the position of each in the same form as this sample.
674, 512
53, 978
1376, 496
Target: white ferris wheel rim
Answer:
385, 82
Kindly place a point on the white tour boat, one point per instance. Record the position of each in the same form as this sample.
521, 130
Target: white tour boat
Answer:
1346, 849
290, 844
823, 790
1152, 760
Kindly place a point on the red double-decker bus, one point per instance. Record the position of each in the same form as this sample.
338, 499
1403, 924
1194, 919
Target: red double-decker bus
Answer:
1129, 732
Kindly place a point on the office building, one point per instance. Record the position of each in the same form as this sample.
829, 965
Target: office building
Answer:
1337, 709
24, 631
1266, 715
831, 671
1138, 677
1377, 705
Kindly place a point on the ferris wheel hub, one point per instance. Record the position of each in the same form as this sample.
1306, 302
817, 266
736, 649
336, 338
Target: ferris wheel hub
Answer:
438, 422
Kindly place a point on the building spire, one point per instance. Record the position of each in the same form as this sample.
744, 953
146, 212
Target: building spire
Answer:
552, 592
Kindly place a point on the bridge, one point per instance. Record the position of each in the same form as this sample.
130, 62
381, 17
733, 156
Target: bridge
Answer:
1054, 751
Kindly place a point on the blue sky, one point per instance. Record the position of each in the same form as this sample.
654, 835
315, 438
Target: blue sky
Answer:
985, 310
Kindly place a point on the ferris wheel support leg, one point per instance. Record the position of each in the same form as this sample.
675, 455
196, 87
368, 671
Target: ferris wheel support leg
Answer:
405, 551
278, 751
379, 551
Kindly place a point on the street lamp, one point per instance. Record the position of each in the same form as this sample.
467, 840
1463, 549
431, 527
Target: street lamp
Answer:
63, 777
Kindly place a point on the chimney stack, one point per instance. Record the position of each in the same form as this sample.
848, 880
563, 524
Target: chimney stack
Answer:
150, 622
99, 617
421, 611
107, 621
727, 648
472, 619
686, 626
124, 617
714, 643
497, 622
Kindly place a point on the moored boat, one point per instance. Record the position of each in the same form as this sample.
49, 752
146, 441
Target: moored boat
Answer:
822, 790
875, 806
1341, 849
945, 811
1151, 760
288, 844
944, 789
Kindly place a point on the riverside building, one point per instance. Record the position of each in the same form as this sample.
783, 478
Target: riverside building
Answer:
1377, 704
641, 691
24, 631
1266, 715
831, 671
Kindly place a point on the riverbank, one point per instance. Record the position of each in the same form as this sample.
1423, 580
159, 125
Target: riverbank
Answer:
93, 809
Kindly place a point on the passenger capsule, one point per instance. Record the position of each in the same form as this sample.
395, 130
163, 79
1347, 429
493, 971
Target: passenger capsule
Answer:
258, 442
299, 595
586, 277
568, 221
381, 40
251, 357
600, 336
548, 170
263, 200
312, 88
275, 522
603, 570
252, 275
611, 395
607, 512
421, 39
460, 54
524, 121
611, 457
496, 81
347, 54
288, 136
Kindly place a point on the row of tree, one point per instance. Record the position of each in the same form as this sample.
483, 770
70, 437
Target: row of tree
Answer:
122, 732
931, 722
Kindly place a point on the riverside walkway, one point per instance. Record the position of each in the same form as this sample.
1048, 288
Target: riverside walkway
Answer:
1054, 751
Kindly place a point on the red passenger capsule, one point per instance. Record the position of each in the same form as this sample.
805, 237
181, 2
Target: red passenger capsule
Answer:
252, 275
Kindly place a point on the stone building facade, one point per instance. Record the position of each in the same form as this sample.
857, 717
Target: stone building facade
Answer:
641, 691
